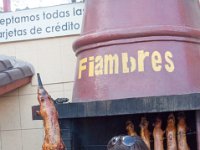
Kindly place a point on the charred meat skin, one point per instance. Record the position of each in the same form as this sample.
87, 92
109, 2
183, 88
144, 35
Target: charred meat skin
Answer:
52, 139
171, 133
144, 132
181, 133
158, 134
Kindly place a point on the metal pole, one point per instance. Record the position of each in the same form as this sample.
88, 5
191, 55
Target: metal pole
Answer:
198, 128
6, 6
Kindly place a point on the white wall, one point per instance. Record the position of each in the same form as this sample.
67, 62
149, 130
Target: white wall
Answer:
55, 60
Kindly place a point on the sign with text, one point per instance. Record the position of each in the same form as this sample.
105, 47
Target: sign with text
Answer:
109, 64
41, 22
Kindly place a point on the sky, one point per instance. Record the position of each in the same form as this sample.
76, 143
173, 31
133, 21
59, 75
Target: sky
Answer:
22, 4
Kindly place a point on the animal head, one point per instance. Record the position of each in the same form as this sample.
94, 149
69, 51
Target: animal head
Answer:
43, 97
144, 123
171, 119
129, 126
158, 122
181, 119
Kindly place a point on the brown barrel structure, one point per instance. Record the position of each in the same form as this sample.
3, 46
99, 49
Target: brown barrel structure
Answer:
138, 48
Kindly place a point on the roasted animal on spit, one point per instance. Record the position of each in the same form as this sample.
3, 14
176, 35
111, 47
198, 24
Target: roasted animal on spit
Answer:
171, 133
158, 134
181, 133
144, 131
52, 139
130, 128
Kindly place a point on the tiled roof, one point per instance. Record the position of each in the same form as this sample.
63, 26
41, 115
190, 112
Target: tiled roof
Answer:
13, 73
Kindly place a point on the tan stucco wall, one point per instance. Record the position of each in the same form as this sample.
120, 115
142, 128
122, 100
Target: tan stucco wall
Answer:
55, 60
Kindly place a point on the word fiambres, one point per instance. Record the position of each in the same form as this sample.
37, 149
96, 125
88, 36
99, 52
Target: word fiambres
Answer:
109, 64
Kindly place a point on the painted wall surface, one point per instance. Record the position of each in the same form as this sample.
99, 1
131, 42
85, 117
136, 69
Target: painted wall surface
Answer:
55, 60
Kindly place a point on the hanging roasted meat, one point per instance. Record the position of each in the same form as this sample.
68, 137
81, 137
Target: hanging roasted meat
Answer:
158, 135
130, 128
144, 131
171, 133
52, 139
181, 133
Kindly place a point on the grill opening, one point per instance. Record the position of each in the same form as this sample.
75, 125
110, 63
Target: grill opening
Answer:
93, 133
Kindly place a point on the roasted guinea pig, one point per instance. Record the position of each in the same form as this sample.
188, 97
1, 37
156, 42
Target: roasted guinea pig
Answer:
171, 133
130, 128
158, 134
181, 133
49, 114
144, 131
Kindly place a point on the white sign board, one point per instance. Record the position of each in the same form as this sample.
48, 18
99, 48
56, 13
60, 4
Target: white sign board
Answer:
41, 22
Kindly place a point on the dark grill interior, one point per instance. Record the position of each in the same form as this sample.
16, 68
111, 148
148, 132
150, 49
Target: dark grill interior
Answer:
95, 132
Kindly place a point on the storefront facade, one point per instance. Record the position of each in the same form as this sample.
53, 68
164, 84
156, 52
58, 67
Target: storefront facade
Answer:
128, 67
55, 60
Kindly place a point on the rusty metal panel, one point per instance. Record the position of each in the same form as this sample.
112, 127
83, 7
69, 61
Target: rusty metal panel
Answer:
138, 48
